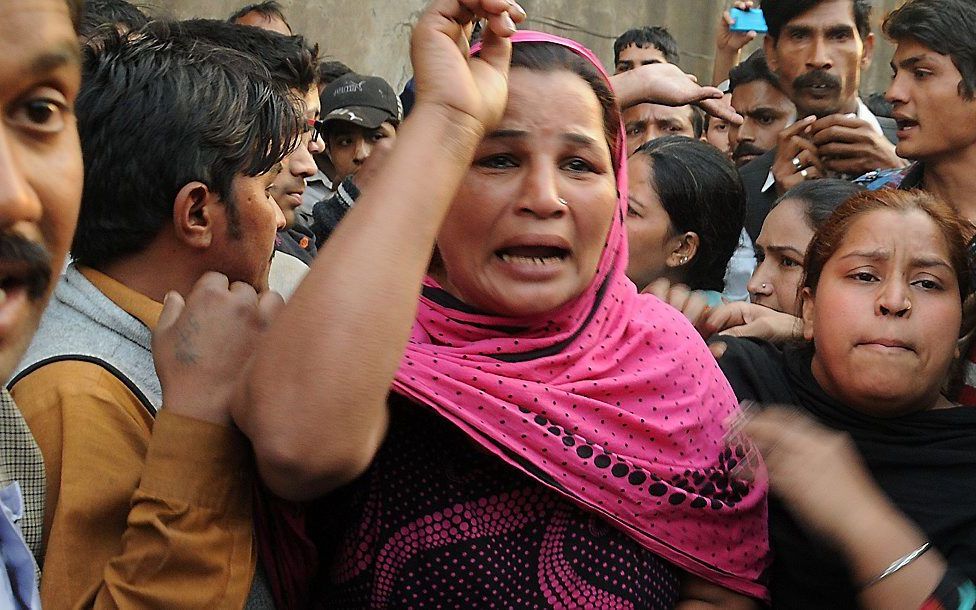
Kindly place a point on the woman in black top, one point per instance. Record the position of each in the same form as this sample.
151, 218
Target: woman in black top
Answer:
882, 305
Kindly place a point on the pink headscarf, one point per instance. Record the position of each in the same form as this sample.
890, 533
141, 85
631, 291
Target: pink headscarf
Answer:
612, 400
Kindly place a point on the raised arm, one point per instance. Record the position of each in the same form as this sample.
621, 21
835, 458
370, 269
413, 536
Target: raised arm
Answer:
317, 416
667, 84
728, 44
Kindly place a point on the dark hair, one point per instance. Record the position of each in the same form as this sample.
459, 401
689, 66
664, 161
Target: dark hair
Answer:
820, 198
550, 57
269, 10
655, 36
289, 59
158, 111
328, 71
780, 12
97, 13
753, 69
701, 192
946, 27
828, 239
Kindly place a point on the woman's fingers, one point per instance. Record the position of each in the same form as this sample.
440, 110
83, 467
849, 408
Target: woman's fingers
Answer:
659, 288
452, 15
495, 11
724, 317
496, 48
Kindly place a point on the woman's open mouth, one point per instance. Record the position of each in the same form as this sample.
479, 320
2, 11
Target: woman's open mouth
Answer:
532, 263
532, 255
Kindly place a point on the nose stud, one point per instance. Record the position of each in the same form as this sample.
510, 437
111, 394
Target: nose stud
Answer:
764, 286
563, 201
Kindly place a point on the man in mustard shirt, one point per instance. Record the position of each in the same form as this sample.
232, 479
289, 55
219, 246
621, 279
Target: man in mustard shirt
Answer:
40, 190
182, 140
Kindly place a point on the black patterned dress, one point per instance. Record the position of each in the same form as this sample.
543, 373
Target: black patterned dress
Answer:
437, 523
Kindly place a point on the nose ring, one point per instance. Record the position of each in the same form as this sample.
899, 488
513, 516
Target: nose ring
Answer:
563, 201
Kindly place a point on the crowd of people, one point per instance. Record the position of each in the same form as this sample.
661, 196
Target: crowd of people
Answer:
531, 333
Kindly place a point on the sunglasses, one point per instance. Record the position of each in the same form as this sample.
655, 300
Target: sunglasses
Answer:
317, 128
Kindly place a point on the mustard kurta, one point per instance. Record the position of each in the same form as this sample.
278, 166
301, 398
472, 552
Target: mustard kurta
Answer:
139, 513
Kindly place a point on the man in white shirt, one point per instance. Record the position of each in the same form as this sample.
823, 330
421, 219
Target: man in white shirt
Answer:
818, 49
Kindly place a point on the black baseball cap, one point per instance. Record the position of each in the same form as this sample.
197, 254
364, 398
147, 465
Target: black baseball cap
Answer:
368, 101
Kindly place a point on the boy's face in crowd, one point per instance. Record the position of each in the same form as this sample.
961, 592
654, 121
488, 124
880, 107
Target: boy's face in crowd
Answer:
819, 56
633, 56
243, 249
766, 111
350, 145
40, 162
646, 122
934, 121
289, 186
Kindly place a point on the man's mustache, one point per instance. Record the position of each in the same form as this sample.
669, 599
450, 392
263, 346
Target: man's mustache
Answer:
815, 78
747, 148
32, 258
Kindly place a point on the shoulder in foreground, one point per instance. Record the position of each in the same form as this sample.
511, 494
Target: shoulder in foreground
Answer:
67, 383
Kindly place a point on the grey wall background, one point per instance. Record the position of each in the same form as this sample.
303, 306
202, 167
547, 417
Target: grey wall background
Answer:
371, 36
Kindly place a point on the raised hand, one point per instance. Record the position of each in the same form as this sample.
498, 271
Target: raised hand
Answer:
728, 41
470, 88
728, 44
820, 477
816, 471
202, 345
797, 158
666, 84
849, 145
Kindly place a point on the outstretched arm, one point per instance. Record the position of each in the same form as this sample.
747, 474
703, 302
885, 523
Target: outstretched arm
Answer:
666, 84
728, 44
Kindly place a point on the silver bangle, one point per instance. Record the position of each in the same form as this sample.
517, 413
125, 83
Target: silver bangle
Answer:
897, 565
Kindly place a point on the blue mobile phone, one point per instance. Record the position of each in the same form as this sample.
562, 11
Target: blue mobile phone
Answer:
751, 20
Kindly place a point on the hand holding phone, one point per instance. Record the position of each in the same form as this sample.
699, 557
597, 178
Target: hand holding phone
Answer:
751, 20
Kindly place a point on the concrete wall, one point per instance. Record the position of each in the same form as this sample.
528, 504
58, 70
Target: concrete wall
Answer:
372, 35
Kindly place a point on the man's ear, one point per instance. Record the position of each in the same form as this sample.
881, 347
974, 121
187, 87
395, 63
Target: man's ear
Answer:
684, 247
769, 49
807, 299
868, 53
193, 214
